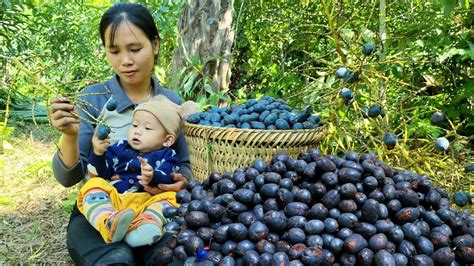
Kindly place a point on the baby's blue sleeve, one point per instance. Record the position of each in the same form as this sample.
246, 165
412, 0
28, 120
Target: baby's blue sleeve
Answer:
163, 168
103, 164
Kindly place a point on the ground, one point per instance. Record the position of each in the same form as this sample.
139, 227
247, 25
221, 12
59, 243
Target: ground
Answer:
34, 208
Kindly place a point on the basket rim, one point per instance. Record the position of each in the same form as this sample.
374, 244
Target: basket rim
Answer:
252, 130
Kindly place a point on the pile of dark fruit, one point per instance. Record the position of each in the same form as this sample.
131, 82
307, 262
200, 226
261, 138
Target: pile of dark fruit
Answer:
318, 210
265, 113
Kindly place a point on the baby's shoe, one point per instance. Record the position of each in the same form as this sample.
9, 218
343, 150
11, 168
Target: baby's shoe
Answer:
117, 224
143, 231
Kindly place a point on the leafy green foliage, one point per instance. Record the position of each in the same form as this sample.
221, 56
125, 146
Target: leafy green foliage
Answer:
62, 45
292, 49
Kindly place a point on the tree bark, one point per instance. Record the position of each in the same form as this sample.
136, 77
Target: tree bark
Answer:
204, 43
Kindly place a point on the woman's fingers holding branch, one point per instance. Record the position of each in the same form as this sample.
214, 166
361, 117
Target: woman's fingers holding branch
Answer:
62, 116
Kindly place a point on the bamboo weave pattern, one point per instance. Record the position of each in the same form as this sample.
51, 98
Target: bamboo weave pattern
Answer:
219, 149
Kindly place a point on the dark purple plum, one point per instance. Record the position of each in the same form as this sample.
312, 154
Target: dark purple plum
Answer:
347, 206
251, 173
215, 212
220, 233
408, 198
378, 242
296, 209
406, 215
284, 197
183, 196
463, 241
239, 178
303, 195
370, 211
297, 222
324, 165
286, 182
244, 246
329, 179
272, 177
465, 255
331, 225
424, 246
407, 248
313, 227
257, 231
205, 233
421, 260
265, 246
228, 247
259, 165
235, 208
383, 257
318, 211
276, 221
312, 256
269, 191
331, 199
244, 195
252, 258
296, 235
192, 245
344, 233
348, 175
336, 245
296, 251
282, 246
197, 219
352, 156
366, 257
281, 259
214, 177
170, 212
365, 229
439, 239
400, 259
246, 218
314, 241
270, 205
179, 253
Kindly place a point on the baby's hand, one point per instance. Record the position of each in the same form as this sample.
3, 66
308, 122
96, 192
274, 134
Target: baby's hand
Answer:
146, 172
99, 146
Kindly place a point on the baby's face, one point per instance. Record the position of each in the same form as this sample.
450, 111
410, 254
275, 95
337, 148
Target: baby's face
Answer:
146, 133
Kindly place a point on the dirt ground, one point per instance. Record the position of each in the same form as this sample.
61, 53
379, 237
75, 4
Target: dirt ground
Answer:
34, 208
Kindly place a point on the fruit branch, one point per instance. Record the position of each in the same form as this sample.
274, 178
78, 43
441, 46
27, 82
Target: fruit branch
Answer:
335, 32
32, 75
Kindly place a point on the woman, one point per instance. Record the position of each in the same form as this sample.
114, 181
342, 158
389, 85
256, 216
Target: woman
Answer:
131, 43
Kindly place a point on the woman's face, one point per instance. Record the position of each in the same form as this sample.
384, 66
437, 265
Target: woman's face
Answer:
131, 55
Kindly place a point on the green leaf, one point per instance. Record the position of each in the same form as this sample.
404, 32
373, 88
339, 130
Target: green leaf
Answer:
449, 7
188, 85
455, 51
208, 88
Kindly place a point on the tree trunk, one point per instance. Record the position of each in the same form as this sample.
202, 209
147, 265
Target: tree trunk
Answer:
204, 43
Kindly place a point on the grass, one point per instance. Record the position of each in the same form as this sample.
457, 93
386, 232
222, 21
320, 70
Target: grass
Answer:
34, 208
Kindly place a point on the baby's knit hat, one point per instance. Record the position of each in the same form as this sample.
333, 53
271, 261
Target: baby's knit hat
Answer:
170, 115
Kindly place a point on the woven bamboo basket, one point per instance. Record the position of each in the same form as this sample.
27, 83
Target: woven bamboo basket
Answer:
220, 149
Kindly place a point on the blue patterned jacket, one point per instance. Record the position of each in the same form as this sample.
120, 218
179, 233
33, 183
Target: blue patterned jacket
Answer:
122, 161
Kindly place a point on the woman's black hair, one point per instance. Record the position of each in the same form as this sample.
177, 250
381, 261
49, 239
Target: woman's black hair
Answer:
137, 14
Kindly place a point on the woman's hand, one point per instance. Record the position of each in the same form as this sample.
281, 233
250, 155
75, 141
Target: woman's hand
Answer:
180, 183
99, 147
62, 116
